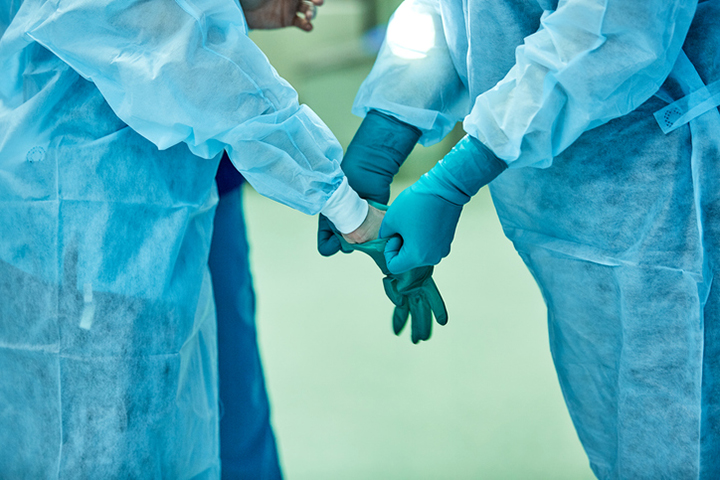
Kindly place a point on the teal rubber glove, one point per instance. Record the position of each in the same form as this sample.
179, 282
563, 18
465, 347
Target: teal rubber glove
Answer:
413, 293
374, 156
420, 224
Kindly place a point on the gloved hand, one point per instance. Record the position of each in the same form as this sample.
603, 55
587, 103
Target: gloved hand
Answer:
414, 293
420, 224
379, 147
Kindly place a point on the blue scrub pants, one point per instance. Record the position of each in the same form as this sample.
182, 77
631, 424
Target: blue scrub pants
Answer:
247, 443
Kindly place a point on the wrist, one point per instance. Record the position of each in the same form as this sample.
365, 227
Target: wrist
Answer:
369, 229
345, 209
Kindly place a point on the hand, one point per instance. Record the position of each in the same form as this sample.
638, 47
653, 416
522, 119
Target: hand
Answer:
369, 229
414, 293
379, 147
328, 241
421, 222
419, 228
270, 14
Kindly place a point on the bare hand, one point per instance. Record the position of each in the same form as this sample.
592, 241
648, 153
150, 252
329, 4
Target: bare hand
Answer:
270, 14
369, 229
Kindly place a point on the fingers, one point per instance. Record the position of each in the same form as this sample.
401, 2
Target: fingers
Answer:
329, 246
397, 258
306, 9
392, 248
395, 255
327, 243
421, 322
436, 302
306, 12
302, 23
400, 317
391, 291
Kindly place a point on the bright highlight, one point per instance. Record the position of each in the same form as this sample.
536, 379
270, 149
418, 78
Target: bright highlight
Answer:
411, 34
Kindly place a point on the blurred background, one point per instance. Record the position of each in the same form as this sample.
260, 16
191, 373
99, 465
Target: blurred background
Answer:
350, 400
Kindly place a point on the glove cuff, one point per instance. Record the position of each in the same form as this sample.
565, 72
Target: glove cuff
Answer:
380, 146
384, 132
345, 209
468, 167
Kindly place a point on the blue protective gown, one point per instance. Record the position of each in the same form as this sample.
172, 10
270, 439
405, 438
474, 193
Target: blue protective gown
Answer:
621, 230
112, 119
247, 443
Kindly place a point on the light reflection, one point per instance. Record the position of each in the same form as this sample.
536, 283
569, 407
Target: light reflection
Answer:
411, 34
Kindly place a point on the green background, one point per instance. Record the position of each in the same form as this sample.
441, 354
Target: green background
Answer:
349, 399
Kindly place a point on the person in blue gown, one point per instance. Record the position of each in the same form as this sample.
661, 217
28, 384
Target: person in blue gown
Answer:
114, 116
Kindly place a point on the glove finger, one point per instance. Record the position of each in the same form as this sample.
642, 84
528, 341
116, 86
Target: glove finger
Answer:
437, 304
412, 281
396, 257
334, 243
391, 291
421, 322
329, 247
327, 243
400, 317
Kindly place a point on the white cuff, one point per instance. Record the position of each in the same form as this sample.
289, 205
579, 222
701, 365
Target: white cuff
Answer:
345, 209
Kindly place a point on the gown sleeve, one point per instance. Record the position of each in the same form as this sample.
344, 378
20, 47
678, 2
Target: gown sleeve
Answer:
186, 71
590, 61
414, 78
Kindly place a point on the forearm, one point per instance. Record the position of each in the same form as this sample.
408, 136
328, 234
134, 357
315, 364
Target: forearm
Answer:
187, 72
584, 67
375, 154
